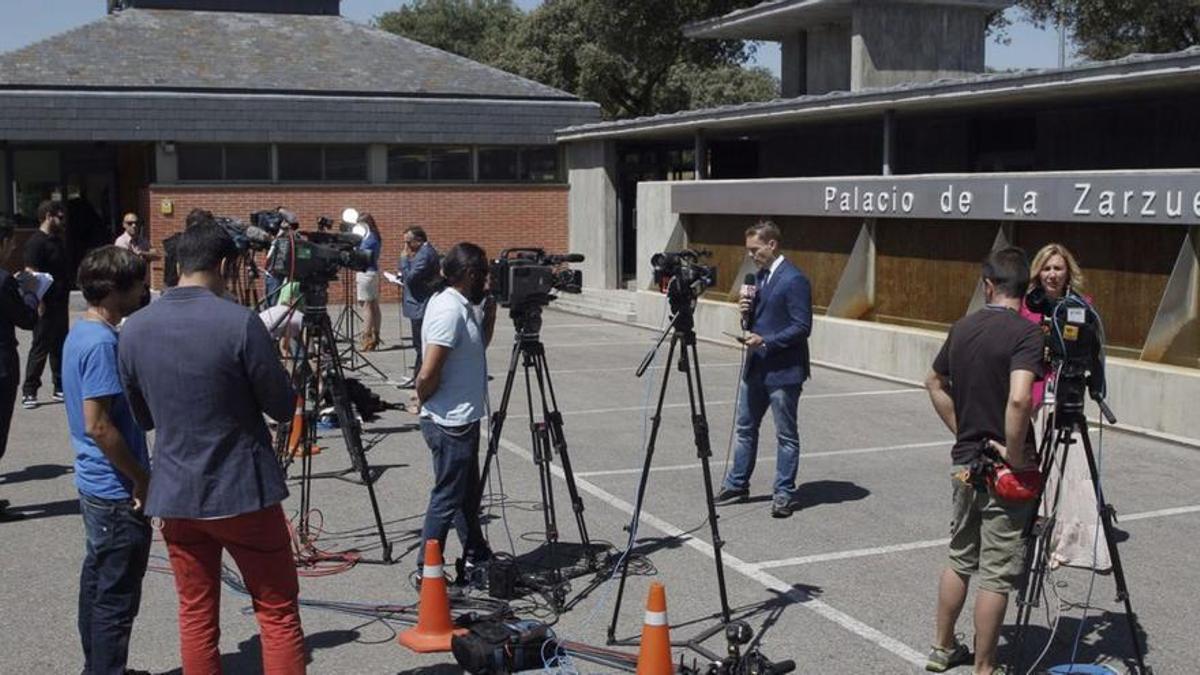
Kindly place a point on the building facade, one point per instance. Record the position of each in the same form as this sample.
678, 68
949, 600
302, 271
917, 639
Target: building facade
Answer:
897, 165
166, 105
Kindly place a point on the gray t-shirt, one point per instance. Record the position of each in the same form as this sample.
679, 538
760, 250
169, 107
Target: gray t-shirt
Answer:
461, 397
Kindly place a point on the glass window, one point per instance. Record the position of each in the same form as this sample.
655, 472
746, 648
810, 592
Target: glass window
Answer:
407, 163
37, 175
498, 163
539, 165
199, 161
346, 162
300, 162
248, 162
451, 164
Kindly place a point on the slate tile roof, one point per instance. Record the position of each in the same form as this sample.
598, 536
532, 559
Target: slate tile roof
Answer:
182, 50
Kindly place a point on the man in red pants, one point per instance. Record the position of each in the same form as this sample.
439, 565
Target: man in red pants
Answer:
201, 371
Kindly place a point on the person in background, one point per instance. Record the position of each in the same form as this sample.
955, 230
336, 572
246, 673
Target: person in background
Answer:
112, 465
18, 309
368, 283
46, 251
133, 238
1075, 540
419, 273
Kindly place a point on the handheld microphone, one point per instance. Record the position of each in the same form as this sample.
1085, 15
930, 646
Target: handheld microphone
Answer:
748, 292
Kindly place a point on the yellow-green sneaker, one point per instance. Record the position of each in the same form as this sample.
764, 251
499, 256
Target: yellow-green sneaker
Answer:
940, 660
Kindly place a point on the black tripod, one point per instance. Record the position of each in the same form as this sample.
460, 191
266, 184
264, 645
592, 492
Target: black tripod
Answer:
546, 435
345, 330
683, 336
1067, 420
318, 368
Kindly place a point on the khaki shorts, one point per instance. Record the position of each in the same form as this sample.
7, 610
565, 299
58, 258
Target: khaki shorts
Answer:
985, 537
367, 285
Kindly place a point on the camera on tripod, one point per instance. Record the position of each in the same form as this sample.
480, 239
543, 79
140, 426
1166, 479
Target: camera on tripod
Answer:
317, 257
681, 276
1075, 349
523, 277
246, 237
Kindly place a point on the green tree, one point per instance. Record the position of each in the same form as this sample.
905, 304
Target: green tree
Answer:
632, 57
1111, 29
477, 29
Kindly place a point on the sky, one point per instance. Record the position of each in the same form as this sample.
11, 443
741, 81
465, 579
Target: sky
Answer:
27, 21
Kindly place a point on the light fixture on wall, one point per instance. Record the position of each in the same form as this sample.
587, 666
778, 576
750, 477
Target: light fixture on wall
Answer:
168, 147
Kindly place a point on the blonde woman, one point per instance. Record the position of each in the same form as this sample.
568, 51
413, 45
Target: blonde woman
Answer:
1076, 541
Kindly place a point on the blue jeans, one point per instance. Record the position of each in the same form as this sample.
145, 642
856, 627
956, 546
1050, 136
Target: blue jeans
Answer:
110, 583
784, 401
455, 453
272, 288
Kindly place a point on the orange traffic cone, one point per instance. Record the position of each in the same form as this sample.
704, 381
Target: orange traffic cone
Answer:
296, 434
654, 658
434, 627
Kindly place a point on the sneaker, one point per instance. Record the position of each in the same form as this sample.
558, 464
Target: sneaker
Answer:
782, 508
58, 396
29, 401
733, 495
940, 660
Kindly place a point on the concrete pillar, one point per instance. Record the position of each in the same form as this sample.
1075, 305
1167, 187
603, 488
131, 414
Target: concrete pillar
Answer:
794, 65
592, 210
377, 164
827, 58
889, 143
894, 43
700, 155
166, 162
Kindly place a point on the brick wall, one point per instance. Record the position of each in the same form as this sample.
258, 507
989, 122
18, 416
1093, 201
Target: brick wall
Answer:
494, 217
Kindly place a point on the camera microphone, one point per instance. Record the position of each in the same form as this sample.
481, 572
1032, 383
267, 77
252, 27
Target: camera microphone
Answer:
258, 235
748, 292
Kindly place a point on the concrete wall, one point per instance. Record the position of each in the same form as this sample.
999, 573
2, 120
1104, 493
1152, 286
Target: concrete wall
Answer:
659, 228
1145, 397
828, 58
915, 43
793, 65
592, 211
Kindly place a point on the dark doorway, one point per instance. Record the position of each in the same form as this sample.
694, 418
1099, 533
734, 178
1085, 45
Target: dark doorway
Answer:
637, 163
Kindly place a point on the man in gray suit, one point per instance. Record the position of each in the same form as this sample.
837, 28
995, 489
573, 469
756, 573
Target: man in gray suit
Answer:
419, 273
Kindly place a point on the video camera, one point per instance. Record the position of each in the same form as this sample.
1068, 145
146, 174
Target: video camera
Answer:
524, 277
1074, 347
245, 237
681, 276
316, 257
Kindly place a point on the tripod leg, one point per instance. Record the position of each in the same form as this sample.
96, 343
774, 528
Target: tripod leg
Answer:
689, 360
540, 436
1106, 522
558, 440
496, 426
350, 428
655, 423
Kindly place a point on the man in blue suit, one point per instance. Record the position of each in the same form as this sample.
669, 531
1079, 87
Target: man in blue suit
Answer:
779, 318
419, 273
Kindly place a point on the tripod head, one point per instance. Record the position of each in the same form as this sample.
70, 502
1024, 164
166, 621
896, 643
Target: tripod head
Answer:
527, 320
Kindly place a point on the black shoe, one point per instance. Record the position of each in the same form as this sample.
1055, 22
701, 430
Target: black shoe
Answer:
29, 401
782, 509
732, 495
58, 396
7, 516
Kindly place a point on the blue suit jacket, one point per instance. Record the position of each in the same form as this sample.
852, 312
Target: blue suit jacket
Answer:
418, 272
783, 318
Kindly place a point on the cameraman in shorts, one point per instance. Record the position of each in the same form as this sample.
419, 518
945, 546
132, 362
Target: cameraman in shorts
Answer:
980, 386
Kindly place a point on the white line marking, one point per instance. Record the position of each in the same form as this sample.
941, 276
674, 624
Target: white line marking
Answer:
771, 458
844, 394
579, 325
572, 345
934, 543
856, 553
1178, 511
742, 567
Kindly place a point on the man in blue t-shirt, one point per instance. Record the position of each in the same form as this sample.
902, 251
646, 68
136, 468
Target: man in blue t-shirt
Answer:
112, 464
